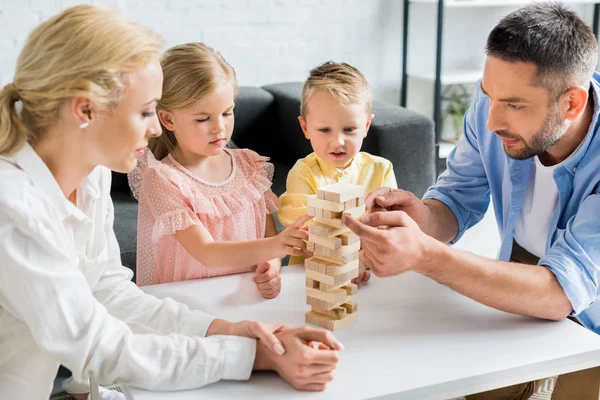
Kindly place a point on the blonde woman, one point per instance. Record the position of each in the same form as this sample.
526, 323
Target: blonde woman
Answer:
83, 102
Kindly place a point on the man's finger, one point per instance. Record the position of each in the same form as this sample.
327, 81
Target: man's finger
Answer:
365, 232
391, 219
301, 220
370, 200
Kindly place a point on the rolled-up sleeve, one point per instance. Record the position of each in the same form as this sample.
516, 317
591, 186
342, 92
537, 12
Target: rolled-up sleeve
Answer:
574, 257
464, 186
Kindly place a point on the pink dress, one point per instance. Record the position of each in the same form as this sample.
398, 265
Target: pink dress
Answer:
172, 198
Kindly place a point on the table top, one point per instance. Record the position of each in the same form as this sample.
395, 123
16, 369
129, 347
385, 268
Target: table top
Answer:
414, 339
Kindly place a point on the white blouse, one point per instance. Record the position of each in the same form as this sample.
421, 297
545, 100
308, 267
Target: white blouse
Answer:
65, 297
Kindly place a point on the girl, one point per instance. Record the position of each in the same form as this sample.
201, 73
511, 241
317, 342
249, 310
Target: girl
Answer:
86, 84
206, 210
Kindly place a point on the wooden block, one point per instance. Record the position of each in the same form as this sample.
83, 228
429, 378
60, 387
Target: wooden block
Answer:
339, 281
355, 212
326, 231
322, 304
351, 204
340, 192
336, 312
325, 204
328, 214
360, 201
351, 306
326, 322
333, 269
335, 296
334, 222
333, 281
316, 264
310, 246
351, 288
311, 211
349, 238
311, 283
339, 260
331, 243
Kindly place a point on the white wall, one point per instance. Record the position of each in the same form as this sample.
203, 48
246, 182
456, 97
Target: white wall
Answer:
271, 41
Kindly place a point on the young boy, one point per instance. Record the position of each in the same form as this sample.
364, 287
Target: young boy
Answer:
335, 115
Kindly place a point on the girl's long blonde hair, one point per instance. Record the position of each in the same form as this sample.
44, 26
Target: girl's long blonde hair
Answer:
83, 51
191, 71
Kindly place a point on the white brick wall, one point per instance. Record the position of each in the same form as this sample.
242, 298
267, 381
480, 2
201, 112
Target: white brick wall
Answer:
266, 41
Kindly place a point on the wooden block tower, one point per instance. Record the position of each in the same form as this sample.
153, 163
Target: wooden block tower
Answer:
335, 256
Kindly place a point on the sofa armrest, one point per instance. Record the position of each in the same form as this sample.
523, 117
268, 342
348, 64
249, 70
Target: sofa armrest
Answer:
404, 137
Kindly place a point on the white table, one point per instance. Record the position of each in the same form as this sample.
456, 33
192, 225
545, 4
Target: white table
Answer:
414, 339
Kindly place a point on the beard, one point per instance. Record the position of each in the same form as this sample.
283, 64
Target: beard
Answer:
551, 131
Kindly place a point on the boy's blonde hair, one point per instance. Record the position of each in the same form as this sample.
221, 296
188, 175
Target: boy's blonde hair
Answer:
83, 51
191, 71
345, 82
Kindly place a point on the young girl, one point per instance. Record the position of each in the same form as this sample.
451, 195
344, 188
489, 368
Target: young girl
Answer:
205, 210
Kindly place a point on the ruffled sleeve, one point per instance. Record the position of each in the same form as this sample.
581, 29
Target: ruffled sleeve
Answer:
135, 177
164, 195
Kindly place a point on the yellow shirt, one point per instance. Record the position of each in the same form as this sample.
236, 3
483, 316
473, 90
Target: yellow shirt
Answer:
312, 172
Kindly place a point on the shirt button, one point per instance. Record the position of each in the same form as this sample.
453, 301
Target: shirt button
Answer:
574, 169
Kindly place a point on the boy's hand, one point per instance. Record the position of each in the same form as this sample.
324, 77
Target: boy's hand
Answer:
292, 240
268, 278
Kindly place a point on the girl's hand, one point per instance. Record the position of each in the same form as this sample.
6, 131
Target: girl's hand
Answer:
292, 240
268, 278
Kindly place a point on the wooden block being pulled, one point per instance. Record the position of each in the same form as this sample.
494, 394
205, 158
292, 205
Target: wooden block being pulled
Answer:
322, 304
349, 238
333, 222
311, 211
310, 246
340, 192
326, 231
331, 243
326, 322
325, 204
351, 288
335, 296
350, 306
336, 312
355, 212
311, 283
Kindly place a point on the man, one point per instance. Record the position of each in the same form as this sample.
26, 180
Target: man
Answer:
531, 141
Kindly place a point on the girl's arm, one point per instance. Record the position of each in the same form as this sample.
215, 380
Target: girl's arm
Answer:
198, 242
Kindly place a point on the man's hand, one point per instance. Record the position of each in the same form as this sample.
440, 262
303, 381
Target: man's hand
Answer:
268, 278
398, 200
303, 366
399, 247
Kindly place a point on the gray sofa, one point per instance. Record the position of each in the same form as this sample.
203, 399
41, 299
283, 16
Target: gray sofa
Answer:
266, 121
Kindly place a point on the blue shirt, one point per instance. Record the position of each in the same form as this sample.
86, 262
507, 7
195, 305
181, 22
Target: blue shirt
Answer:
479, 168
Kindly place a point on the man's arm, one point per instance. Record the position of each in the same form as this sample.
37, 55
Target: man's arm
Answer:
512, 287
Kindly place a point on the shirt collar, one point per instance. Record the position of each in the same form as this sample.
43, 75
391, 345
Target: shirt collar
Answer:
333, 172
29, 161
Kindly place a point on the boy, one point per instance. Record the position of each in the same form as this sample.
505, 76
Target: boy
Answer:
335, 115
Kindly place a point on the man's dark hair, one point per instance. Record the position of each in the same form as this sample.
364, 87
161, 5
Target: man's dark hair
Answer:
552, 37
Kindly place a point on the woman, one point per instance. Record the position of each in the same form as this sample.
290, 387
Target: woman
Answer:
83, 102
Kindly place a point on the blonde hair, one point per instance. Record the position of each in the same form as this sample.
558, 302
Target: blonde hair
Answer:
191, 71
83, 51
343, 81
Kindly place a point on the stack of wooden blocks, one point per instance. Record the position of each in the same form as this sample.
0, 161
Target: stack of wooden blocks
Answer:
335, 260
